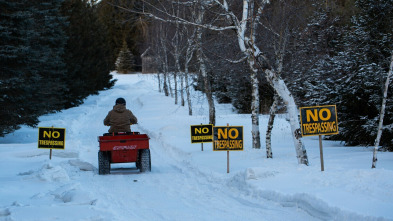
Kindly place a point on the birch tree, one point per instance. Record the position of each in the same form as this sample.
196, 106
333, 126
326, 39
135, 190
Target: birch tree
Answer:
176, 51
253, 54
272, 115
245, 28
202, 65
164, 60
382, 114
190, 49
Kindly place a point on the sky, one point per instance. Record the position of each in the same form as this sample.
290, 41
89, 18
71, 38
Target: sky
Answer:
185, 183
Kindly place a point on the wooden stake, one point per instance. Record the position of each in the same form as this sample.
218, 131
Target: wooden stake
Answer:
50, 152
321, 152
201, 144
227, 156
228, 161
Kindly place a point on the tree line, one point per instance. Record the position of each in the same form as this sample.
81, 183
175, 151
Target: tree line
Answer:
276, 56
53, 54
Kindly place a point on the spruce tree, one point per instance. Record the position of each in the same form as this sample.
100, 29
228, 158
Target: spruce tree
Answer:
125, 61
15, 23
87, 53
48, 47
346, 66
369, 44
31, 66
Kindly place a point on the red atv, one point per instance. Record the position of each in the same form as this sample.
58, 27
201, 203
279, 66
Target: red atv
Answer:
125, 147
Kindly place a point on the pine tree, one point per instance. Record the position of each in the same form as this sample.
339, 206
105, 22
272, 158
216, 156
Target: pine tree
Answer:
15, 23
87, 53
125, 61
47, 47
32, 70
347, 66
40, 71
119, 22
370, 45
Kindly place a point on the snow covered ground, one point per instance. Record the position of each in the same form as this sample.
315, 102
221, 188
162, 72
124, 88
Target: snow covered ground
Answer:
185, 183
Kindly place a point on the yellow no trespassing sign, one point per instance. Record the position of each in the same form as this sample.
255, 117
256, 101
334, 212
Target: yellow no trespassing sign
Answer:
51, 138
319, 120
202, 133
228, 138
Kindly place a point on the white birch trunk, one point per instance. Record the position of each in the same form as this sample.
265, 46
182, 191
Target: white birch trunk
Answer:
182, 102
166, 84
382, 114
202, 69
164, 64
282, 90
165, 87
170, 84
208, 92
175, 90
256, 138
188, 90
177, 66
189, 54
177, 56
159, 82
166, 77
272, 113
249, 53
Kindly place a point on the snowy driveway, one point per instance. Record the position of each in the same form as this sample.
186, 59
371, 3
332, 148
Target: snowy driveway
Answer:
185, 183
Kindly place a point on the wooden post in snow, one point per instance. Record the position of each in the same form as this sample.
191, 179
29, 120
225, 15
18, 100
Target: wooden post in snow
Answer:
201, 144
227, 156
321, 153
50, 152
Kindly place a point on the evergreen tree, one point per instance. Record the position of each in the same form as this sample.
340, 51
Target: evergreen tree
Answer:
15, 23
87, 54
119, 23
40, 71
31, 67
370, 45
125, 61
347, 66
47, 48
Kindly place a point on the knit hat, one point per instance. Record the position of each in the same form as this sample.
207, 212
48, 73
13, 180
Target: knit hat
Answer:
120, 100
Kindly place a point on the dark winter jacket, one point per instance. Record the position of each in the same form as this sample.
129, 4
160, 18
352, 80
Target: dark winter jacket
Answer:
119, 119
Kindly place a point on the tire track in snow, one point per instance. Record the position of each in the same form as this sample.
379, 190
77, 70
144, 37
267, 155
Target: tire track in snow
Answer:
216, 186
248, 194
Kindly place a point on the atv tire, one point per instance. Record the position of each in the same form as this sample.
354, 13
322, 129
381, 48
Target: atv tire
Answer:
145, 160
104, 166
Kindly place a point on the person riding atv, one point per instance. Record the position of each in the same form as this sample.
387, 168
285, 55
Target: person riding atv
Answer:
119, 118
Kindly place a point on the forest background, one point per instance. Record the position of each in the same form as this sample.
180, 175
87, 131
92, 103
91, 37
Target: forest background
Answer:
56, 53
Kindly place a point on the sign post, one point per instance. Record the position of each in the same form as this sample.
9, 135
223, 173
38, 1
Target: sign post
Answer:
202, 143
228, 161
51, 138
319, 120
227, 156
228, 139
321, 153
